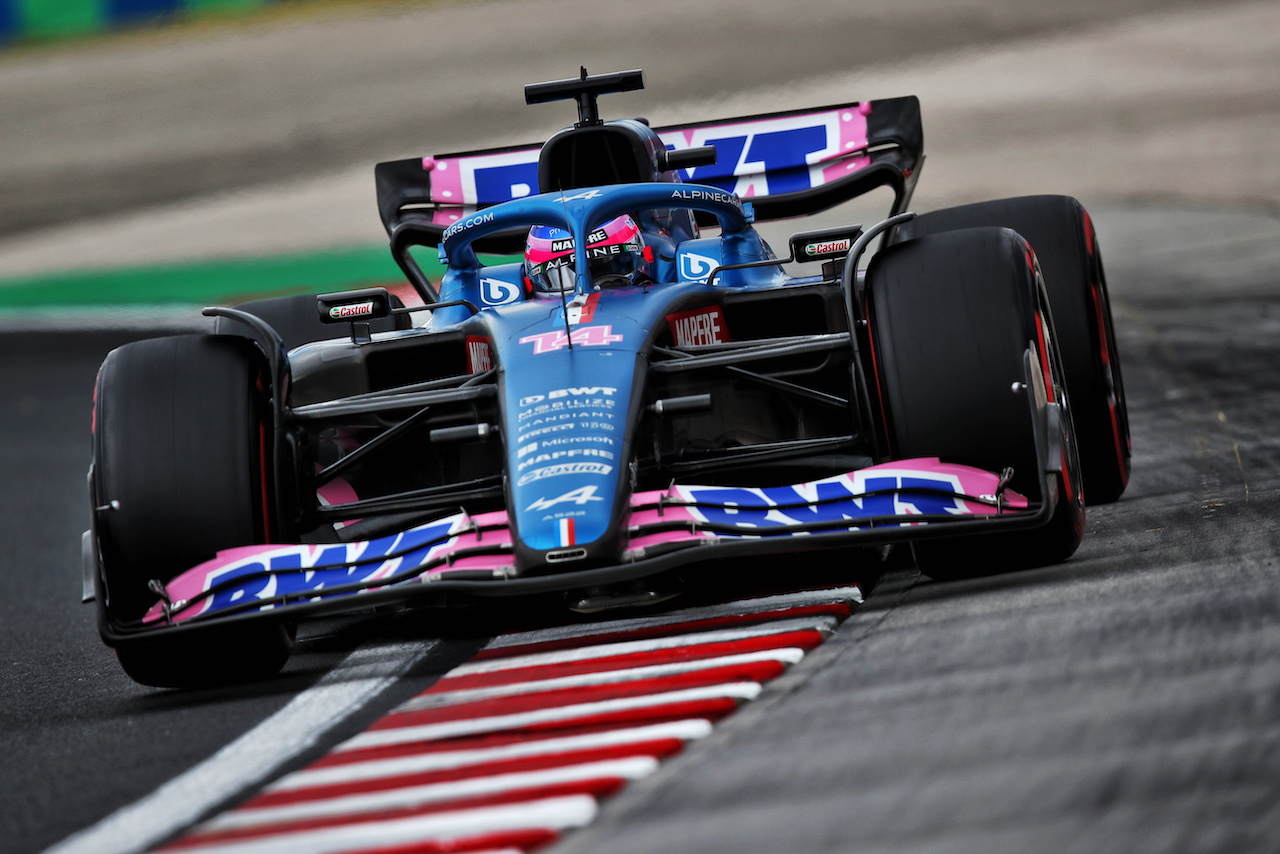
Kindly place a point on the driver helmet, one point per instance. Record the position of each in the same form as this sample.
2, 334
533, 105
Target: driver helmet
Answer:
616, 253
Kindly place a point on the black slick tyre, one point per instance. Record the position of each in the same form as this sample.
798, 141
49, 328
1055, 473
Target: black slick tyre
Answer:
1062, 236
952, 317
180, 446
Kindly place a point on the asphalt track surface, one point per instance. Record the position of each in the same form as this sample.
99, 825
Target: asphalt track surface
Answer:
1127, 700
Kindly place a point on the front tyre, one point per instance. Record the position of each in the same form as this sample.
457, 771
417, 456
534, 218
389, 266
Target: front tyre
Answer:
1062, 236
952, 318
181, 449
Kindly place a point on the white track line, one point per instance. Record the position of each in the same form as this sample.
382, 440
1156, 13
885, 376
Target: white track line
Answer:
786, 655
825, 625
498, 723
370, 670
743, 606
408, 797
552, 814
689, 730
364, 674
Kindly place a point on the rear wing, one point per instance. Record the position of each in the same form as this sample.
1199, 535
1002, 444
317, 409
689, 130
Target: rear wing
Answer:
787, 164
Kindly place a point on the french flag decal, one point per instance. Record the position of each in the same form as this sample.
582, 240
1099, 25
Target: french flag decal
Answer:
566, 531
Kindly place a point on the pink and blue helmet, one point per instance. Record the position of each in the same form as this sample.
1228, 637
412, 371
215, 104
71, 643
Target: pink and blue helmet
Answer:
616, 254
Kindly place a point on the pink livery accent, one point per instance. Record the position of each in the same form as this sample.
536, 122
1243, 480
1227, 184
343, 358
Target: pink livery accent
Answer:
267, 571
679, 515
831, 142
453, 179
336, 491
901, 488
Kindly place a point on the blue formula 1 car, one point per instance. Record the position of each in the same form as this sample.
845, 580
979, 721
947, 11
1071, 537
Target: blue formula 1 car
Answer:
644, 394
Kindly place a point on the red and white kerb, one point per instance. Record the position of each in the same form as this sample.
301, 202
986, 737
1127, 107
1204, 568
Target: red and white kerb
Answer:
516, 747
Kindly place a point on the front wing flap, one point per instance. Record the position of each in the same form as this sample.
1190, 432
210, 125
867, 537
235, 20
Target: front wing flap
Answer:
895, 501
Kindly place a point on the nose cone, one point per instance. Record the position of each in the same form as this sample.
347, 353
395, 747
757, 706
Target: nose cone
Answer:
566, 416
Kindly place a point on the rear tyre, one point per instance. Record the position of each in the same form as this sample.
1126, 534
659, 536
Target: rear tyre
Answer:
180, 442
297, 321
952, 316
1062, 237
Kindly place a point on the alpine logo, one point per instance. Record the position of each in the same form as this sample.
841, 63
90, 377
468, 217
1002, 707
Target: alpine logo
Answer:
699, 327
704, 196
351, 311
581, 496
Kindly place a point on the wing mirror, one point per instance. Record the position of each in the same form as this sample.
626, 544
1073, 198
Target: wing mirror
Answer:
687, 158
354, 306
825, 245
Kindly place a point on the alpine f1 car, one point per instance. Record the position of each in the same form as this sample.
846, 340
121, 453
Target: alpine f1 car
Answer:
646, 394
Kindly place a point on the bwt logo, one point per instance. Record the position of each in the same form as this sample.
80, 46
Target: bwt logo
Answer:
584, 391
583, 336
776, 160
294, 568
829, 500
780, 155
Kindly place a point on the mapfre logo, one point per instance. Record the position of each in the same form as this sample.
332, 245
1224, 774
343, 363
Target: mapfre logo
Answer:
479, 357
699, 327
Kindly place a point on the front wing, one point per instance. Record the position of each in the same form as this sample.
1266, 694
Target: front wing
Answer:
890, 502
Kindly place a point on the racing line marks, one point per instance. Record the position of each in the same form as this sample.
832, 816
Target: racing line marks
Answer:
508, 751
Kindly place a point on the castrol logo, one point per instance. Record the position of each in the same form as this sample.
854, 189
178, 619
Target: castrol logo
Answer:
346, 312
827, 247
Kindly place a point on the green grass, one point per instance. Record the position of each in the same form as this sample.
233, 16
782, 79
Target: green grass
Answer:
212, 282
